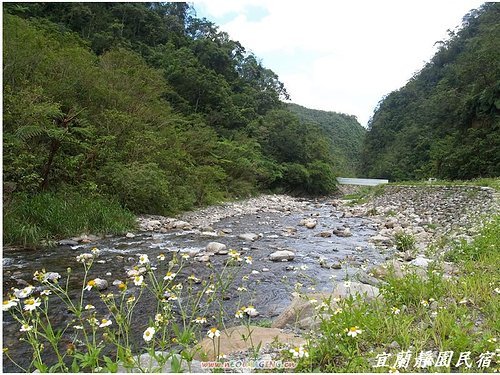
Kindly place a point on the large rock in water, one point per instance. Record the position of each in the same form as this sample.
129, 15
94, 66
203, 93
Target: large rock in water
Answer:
248, 236
308, 223
302, 310
342, 232
100, 284
215, 247
282, 255
231, 340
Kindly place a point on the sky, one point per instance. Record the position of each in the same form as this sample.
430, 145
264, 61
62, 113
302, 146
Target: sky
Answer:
341, 56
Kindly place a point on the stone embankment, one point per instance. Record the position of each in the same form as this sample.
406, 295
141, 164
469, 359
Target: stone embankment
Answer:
427, 212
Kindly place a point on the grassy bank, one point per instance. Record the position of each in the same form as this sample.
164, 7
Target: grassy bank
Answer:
31, 221
420, 314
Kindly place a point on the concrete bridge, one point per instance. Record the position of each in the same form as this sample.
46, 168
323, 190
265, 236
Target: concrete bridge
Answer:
361, 181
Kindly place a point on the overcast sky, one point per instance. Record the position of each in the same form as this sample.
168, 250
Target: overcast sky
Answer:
334, 55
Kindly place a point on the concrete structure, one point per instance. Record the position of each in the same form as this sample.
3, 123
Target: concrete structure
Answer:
361, 181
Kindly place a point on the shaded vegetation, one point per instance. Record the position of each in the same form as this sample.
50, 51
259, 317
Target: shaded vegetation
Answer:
445, 122
148, 105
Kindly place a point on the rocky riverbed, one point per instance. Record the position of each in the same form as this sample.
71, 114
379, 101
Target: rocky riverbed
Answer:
317, 244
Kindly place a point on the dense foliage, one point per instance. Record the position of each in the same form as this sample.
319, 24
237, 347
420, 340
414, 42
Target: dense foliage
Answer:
343, 131
445, 122
148, 105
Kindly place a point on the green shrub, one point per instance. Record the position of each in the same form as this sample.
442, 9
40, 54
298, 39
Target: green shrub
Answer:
404, 241
142, 188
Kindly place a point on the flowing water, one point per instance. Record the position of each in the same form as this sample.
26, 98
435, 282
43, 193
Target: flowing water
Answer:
269, 290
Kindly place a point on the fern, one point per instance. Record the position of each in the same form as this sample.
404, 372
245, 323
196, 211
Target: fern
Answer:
29, 132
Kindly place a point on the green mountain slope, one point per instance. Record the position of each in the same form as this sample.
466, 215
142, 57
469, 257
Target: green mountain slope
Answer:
145, 106
344, 133
445, 122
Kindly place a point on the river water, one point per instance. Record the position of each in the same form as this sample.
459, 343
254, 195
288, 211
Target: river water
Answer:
269, 290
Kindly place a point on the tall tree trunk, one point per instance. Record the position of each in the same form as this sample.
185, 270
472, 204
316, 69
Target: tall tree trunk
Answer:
54, 146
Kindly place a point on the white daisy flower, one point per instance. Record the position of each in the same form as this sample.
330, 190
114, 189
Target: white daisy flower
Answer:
139, 280
338, 310
25, 328
354, 331
105, 323
7, 304
251, 311
213, 332
143, 259
148, 334
299, 352
199, 320
31, 304
169, 276
25, 292
95, 251
84, 258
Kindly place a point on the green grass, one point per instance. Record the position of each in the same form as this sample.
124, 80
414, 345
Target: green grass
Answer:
31, 221
435, 314
404, 241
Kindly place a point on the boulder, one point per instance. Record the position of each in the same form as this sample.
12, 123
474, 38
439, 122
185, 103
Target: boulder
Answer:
203, 258
380, 239
342, 232
420, 261
342, 290
282, 255
364, 278
68, 243
232, 340
101, 284
303, 309
216, 248
248, 236
308, 223
209, 234
324, 234
180, 224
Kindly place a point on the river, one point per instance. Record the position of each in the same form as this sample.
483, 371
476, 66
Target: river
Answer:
270, 285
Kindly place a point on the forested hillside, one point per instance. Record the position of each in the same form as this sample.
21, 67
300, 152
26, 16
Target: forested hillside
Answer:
146, 106
445, 121
344, 132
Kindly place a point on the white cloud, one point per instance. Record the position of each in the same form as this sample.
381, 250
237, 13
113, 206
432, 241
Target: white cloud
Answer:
360, 50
